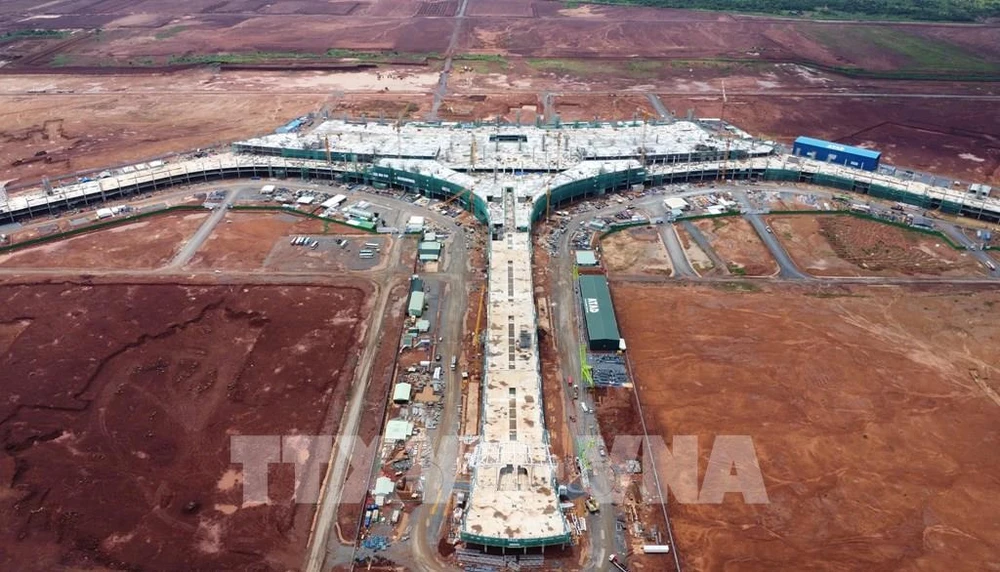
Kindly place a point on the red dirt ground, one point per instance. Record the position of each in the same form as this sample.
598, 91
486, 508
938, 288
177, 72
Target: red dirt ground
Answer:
243, 240
841, 245
636, 251
957, 138
123, 399
737, 243
90, 132
851, 397
486, 107
612, 106
603, 30
147, 243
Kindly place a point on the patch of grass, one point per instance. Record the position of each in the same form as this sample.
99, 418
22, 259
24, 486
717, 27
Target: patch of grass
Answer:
937, 10
170, 32
920, 53
644, 68
566, 66
826, 294
263, 57
736, 269
481, 58
340, 53
32, 34
241, 58
738, 286
61, 60
718, 223
586, 68
482, 63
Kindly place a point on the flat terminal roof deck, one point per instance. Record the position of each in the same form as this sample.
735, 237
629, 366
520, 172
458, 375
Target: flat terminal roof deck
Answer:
513, 498
527, 146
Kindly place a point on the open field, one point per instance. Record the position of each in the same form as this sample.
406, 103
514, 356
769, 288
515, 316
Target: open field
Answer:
591, 30
147, 243
738, 244
841, 245
244, 240
525, 107
960, 139
868, 408
82, 122
117, 452
612, 106
636, 251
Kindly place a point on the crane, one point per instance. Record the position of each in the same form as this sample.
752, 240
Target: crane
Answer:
722, 124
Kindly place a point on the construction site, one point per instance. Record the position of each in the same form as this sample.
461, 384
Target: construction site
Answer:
487, 284
384, 285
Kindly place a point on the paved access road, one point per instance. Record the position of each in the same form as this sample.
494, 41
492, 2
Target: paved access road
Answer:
195, 242
958, 236
699, 238
679, 260
786, 266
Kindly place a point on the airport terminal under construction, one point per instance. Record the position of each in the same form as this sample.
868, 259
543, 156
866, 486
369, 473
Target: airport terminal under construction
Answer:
510, 177
551, 164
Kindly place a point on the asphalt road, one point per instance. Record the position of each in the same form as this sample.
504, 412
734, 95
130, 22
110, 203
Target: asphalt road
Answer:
194, 243
699, 238
442, 86
566, 320
336, 474
958, 236
786, 266
678, 259
661, 110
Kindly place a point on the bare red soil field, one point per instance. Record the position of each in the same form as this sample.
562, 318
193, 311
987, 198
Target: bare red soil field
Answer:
840, 245
957, 138
147, 243
612, 106
124, 398
509, 107
737, 243
603, 30
77, 133
868, 409
243, 240
636, 251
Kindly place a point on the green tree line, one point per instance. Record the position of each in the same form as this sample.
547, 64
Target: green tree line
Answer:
951, 10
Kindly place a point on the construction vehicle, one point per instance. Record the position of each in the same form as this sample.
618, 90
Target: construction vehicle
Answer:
591, 505
613, 559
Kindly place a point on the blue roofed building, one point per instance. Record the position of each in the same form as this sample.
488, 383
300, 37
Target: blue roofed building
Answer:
830, 152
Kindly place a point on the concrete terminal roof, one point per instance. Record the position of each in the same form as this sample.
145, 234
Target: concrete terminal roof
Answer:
524, 147
513, 496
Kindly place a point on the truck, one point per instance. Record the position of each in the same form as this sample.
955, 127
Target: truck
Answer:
454, 363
